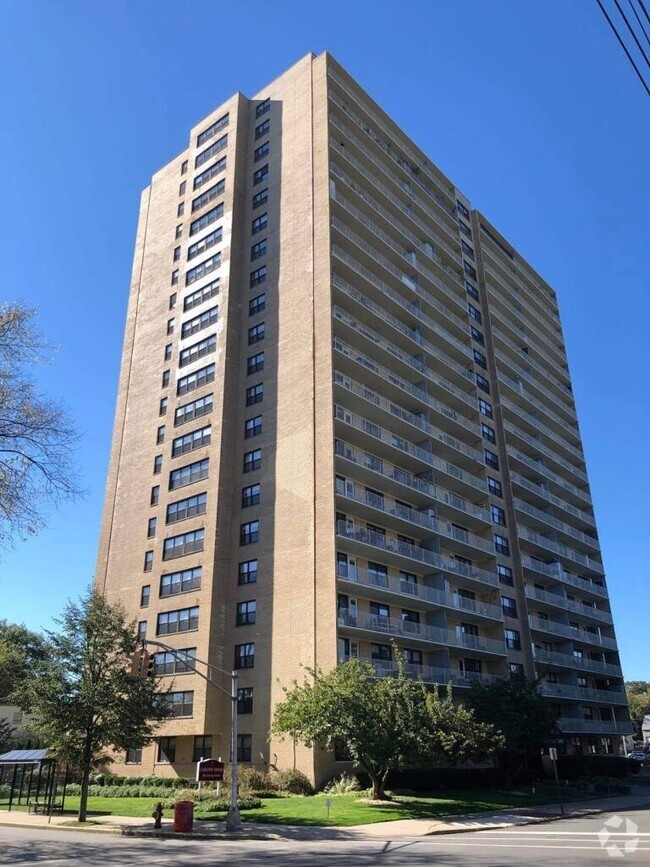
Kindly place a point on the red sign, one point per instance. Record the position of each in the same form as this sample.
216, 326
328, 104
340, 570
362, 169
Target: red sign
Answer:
210, 771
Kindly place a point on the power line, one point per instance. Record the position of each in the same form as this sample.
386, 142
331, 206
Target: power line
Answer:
623, 46
629, 27
636, 15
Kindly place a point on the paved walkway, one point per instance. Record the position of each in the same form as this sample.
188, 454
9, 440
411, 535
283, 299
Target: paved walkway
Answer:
136, 826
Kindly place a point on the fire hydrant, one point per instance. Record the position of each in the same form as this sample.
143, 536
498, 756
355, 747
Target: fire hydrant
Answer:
157, 816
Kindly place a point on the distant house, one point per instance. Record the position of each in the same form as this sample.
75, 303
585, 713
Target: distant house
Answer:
645, 729
19, 721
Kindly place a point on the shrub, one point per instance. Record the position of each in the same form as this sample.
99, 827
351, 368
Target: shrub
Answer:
255, 781
573, 767
244, 802
342, 785
294, 782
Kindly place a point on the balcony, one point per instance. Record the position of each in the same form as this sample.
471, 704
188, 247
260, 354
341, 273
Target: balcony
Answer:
539, 446
567, 660
546, 395
518, 387
387, 627
564, 388
522, 334
407, 592
595, 727
427, 523
380, 469
561, 550
543, 493
440, 676
542, 470
552, 627
582, 693
551, 521
557, 573
404, 550
540, 428
560, 601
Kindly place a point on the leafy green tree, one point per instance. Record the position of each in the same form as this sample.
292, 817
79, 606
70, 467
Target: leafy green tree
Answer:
525, 718
638, 698
384, 722
82, 695
37, 436
20, 650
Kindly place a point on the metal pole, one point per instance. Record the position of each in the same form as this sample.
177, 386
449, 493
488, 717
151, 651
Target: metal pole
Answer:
559, 788
233, 818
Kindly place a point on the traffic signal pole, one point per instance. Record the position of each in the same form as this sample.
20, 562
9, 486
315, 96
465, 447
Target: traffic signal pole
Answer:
233, 817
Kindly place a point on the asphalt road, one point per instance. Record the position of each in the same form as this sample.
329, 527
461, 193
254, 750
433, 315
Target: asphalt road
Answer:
567, 842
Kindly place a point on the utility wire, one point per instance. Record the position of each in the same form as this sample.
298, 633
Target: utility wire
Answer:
623, 46
636, 15
629, 27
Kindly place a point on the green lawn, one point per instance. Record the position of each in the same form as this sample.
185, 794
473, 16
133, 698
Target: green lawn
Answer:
344, 811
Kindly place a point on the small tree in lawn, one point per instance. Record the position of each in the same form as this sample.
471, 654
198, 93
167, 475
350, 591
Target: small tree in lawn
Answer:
82, 694
385, 723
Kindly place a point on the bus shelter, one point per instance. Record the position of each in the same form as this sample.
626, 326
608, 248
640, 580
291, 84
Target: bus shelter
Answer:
32, 779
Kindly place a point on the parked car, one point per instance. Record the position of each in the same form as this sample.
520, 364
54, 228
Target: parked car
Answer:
639, 756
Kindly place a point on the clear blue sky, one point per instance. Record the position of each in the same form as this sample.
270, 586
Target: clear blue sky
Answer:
530, 108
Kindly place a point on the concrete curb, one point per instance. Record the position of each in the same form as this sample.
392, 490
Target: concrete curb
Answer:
533, 820
143, 832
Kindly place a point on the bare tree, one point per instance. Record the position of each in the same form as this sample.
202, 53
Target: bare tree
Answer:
37, 436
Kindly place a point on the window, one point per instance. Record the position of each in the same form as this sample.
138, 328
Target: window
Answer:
148, 561
182, 703
480, 359
180, 210
476, 335
200, 295
469, 629
186, 543
134, 757
256, 333
467, 250
472, 666
166, 750
181, 620
260, 175
381, 651
258, 276
412, 657
182, 188
188, 474
247, 572
180, 662
261, 152
246, 613
505, 575
471, 290
155, 495
254, 394
465, 229
249, 533
501, 544
209, 152
509, 606
209, 195
205, 220
151, 527
513, 639
187, 508
516, 669
160, 435
173, 583
184, 167
202, 748
206, 176
203, 269
210, 240
258, 250
483, 383
262, 129
245, 655
494, 487
252, 460
195, 380
200, 406
177, 254
170, 326
253, 427
259, 223
257, 304
471, 272
485, 407
488, 433
198, 323
245, 699
244, 748
179, 231
172, 300
197, 350
212, 130
157, 464
491, 459
165, 378
255, 363
260, 198
463, 210
169, 349
162, 406
262, 107
498, 515
250, 496
145, 594
174, 277
191, 441
142, 630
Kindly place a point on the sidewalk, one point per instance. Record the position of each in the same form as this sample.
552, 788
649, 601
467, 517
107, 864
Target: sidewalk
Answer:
207, 830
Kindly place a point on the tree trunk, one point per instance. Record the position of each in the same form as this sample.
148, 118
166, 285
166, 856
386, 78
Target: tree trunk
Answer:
379, 785
83, 799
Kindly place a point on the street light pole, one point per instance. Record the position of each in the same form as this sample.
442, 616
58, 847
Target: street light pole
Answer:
233, 817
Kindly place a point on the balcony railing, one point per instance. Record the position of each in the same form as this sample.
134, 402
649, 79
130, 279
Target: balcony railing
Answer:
432, 559
542, 470
407, 590
518, 387
545, 450
408, 629
389, 471
545, 494
555, 399
566, 631
555, 571
525, 358
567, 660
541, 515
590, 726
582, 693
441, 676
561, 550
561, 601
542, 428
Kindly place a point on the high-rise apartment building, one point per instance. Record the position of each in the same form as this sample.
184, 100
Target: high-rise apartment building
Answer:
344, 420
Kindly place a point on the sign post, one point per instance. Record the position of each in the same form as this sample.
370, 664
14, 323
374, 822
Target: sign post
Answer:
552, 752
209, 771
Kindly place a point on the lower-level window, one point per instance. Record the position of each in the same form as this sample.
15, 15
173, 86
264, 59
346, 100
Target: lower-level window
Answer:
182, 703
202, 748
134, 757
166, 751
244, 748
